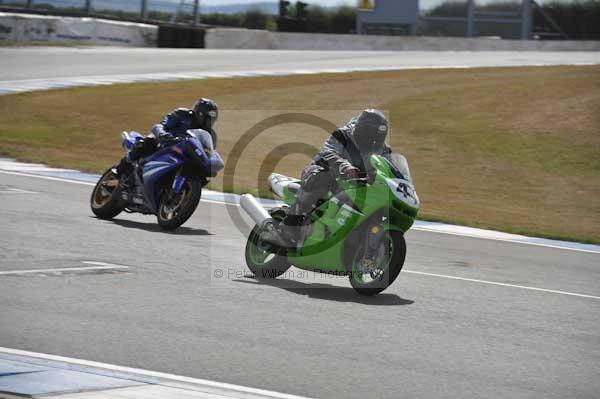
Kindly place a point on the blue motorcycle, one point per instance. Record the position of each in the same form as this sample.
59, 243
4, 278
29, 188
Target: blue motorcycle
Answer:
167, 183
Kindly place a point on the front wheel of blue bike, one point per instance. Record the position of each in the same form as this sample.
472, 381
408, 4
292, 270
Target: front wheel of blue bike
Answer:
174, 209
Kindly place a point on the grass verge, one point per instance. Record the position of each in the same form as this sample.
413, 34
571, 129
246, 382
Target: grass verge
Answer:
512, 149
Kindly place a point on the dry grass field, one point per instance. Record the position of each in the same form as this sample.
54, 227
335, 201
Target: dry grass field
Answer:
513, 149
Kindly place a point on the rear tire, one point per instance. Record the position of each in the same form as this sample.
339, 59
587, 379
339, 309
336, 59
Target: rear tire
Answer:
175, 211
106, 196
263, 263
397, 255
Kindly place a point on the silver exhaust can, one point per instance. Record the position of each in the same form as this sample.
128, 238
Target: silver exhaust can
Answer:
255, 210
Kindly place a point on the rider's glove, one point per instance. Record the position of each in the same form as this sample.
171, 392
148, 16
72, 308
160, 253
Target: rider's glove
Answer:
139, 143
169, 139
351, 173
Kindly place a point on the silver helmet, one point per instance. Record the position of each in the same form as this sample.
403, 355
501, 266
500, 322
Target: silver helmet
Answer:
370, 131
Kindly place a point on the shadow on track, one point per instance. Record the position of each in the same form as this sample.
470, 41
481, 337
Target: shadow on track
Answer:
154, 228
329, 292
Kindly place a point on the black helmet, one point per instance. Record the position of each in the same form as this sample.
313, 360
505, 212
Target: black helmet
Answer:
370, 131
207, 112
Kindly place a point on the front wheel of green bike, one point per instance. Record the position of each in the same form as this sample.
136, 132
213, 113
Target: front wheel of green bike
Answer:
371, 276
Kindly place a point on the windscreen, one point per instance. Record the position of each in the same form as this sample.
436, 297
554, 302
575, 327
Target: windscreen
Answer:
204, 137
399, 166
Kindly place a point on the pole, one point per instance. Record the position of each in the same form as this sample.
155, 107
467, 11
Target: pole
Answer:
29, 5
526, 26
88, 7
144, 11
196, 12
550, 20
470, 17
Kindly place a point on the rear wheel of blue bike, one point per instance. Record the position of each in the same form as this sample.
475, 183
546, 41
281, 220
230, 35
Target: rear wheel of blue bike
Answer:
174, 209
105, 201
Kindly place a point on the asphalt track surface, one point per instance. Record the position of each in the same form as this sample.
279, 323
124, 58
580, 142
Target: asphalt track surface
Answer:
425, 337
430, 335
44, 63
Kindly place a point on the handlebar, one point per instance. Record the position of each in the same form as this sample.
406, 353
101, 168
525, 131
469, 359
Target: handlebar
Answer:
357, 181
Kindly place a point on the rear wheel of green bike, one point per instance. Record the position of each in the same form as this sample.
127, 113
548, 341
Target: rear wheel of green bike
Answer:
261, 260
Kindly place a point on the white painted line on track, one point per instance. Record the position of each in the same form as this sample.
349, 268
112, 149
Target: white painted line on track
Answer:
66, 269
12, 190
219, 202
6, 172
501, 284
104, 264
461, 231
509, 240
90, 184
246, 391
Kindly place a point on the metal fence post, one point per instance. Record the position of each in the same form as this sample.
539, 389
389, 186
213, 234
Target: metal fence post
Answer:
196, 12
88, 7
29, 4
526, 26
470, 17
144, 11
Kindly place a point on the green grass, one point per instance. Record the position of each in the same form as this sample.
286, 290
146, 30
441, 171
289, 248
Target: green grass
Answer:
511, 149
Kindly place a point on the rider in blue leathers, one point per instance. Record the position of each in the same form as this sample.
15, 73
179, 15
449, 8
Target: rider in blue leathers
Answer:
203, 115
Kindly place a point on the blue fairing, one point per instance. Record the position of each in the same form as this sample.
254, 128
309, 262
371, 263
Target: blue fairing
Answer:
155, 167
199, 150
195, 150
212, 163
216, 164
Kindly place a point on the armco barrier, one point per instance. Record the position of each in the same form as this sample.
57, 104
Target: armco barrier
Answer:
259, 39
41, 28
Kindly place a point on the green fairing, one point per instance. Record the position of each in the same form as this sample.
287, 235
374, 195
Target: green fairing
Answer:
359, 231
324, 252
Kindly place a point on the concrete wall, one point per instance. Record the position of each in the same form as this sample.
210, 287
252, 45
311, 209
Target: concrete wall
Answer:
257, 39
41, 28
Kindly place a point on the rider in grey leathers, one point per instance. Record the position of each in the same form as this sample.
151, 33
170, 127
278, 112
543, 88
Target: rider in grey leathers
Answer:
345, 154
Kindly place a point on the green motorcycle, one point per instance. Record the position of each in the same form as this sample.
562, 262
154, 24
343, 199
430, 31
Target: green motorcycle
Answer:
357, 231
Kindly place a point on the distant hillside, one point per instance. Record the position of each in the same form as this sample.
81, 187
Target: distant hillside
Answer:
269, 7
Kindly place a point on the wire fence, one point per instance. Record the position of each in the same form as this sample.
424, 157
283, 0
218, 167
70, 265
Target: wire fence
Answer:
512, 19
509, 19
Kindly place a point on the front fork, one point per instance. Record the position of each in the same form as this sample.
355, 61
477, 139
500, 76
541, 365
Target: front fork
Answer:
178, 182
374, 236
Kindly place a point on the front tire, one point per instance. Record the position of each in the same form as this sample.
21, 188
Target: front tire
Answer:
105, 201
372, 281
261, 261
175, 209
